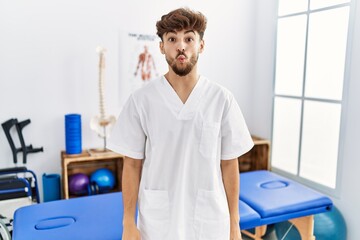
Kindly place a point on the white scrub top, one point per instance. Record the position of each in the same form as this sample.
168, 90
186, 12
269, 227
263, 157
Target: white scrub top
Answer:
181, 194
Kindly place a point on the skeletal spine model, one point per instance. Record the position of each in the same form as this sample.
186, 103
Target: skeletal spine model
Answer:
101, 124
101, 52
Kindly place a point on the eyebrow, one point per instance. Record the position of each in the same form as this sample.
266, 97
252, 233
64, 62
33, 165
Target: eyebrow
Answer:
188, 31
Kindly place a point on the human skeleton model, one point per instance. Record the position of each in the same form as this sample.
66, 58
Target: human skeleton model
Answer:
101, 123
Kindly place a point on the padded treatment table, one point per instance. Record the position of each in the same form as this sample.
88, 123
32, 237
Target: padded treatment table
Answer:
268, 198
97, 217
265, 198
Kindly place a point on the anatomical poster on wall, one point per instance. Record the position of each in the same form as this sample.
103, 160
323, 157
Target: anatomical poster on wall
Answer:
140, 60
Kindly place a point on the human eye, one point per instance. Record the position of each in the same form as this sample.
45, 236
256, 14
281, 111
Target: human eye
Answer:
189, 39
171, 39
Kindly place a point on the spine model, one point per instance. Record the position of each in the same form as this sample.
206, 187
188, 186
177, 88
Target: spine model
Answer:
102, 123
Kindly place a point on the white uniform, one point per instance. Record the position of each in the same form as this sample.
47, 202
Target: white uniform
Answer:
181, 194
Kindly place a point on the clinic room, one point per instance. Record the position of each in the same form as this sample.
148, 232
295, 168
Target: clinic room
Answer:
179, 120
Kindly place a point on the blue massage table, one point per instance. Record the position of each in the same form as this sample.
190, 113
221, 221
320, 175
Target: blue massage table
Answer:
265, 198
268, 198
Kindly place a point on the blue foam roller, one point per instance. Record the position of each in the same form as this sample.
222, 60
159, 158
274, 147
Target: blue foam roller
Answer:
73, 133
51, 187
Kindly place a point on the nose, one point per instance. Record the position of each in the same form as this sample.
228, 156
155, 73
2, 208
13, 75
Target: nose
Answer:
181, 47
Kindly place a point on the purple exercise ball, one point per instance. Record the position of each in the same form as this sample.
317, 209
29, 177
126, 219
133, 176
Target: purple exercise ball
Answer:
78, 183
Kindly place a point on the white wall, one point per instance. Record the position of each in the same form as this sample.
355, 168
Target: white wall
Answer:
349, 199
48, 63
261, 115
264, 50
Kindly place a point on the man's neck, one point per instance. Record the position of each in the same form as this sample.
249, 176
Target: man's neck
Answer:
182, 85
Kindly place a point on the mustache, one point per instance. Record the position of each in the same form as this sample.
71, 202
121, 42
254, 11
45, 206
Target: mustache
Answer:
181, 53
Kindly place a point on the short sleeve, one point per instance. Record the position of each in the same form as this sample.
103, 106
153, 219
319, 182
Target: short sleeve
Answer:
235, 137
128, 137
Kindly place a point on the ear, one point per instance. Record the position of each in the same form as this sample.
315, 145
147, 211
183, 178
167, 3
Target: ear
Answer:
202, 45
161, 46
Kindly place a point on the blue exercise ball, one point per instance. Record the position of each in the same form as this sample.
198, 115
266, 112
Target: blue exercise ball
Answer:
330, 225
285, 228
78, 183
104, 179
327, 226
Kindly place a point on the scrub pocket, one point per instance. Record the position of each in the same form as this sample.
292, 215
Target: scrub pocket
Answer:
209, 139
211, 221
154, 214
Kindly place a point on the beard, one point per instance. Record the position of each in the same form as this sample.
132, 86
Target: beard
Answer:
182, 70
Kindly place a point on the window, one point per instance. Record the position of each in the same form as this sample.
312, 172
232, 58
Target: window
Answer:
308, 91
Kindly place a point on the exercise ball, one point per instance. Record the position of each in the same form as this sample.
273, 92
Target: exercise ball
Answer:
78, 183
104, 178
327, 226
330, 225
285, 228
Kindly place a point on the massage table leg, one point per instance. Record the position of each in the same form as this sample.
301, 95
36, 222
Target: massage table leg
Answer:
259, 232
305, 226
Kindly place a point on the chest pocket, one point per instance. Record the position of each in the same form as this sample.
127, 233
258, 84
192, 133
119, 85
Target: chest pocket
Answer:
210, 133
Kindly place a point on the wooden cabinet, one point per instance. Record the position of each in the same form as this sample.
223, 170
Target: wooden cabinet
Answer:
258, 158
87, 162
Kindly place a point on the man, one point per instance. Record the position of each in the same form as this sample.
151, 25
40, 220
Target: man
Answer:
181, 135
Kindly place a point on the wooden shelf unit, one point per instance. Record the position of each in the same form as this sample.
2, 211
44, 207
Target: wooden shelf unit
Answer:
87, 162
258, 158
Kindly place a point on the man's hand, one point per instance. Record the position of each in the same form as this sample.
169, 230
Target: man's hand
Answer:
130, 189
230, 176
130, 232
235, 233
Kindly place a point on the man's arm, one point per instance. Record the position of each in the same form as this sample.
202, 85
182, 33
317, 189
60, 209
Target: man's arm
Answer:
130, 189
230, 176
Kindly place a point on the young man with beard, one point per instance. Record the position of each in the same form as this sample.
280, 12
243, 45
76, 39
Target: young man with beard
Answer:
181, 135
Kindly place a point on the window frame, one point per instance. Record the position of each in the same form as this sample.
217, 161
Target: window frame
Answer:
335, 192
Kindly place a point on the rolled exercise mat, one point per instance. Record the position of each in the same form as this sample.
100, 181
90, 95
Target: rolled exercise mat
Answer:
73, 133
51, 187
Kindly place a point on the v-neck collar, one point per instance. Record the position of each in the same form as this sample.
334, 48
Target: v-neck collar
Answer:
183, 111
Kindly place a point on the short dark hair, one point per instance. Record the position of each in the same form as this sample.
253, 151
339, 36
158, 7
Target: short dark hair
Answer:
179, 19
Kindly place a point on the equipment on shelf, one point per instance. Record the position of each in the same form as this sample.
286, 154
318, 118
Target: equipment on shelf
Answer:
104, 179
73, 133
102, 124
78, 183
100, 181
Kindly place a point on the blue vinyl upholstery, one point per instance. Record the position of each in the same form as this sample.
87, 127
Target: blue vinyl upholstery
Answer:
248, 217
277, 198
84, 218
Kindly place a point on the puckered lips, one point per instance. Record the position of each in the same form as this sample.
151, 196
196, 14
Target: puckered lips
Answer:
181, 58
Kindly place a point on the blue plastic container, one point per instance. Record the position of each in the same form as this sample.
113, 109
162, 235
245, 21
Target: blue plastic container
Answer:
73, 133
